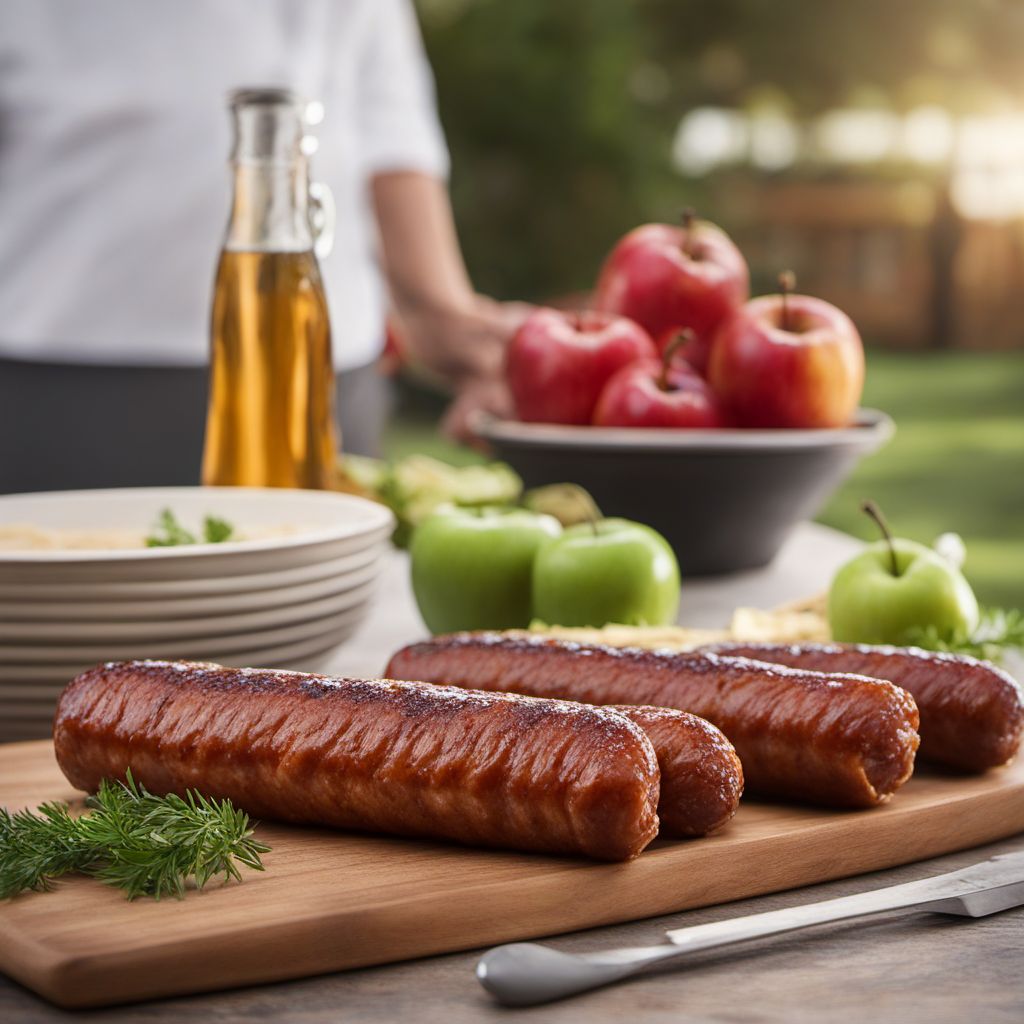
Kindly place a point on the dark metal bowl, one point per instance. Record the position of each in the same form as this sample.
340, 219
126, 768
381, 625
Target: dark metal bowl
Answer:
725, 499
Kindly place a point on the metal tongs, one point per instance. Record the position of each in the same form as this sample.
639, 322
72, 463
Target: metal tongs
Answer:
525, 973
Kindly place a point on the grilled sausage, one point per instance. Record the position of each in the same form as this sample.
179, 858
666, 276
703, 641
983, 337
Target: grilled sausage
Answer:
840, 740
701, 775
381, 756
972, 713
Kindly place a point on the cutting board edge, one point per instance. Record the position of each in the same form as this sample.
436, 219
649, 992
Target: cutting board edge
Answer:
82, 981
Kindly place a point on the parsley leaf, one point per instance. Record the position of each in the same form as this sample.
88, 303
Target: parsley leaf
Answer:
169, 533
216, 531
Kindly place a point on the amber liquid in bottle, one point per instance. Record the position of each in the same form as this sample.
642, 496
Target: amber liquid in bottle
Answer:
270, 418
271, 412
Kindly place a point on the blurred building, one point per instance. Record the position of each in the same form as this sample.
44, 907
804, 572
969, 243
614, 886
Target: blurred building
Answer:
913, 224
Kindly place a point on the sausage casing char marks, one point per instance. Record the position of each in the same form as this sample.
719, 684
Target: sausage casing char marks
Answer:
403, 758
972, 714
844, 741
701, 774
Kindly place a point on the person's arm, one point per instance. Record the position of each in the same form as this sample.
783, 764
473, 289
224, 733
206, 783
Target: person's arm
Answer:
452, 331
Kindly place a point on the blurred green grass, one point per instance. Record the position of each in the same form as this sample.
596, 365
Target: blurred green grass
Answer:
956, 462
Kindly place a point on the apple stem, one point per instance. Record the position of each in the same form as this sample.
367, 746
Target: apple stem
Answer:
872, 510
588, 510
787, 282
683, 337
687, 216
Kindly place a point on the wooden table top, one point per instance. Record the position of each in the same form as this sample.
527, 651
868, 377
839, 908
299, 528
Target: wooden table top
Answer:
897, 967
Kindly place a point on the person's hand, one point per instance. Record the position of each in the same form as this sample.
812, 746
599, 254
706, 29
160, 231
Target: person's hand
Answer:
466, 349
479, 396
463, 344
450, 333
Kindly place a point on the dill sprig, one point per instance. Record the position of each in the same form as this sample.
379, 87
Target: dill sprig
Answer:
144, 844
36, 848
998, 630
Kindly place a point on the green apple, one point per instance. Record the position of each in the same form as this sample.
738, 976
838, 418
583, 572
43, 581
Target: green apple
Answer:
886, 594
472, 568
611, 570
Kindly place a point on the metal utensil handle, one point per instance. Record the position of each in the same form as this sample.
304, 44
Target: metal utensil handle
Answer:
775, 922
524, 974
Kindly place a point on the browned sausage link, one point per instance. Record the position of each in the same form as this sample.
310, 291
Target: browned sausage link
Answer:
845, 741
403, 758
972, 714
701, 775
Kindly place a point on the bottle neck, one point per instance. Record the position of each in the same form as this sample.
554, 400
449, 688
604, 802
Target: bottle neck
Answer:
270, 207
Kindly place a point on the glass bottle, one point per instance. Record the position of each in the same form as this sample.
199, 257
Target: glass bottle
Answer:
270, 420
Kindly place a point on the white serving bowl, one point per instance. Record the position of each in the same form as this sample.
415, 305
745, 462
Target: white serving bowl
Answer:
321, 525
56, 635
72, 617
75, 656
285, 600
142, 592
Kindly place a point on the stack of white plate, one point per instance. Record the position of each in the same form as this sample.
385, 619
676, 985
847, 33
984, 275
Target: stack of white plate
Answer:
287, 596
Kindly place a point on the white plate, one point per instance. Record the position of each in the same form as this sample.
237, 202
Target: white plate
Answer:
159, 590
315, 516
325, 524
27, 693
41, 675
20, 712
214, 566
306, 656
240, 564
62, 634
100, 616
14, 657
19, 732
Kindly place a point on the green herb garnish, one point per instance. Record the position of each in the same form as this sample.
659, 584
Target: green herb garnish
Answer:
169, 533
144, 844
216, 531
998, 630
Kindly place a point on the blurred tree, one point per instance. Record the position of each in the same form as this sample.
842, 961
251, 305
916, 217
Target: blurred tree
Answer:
560, 116
958, 53
552, 154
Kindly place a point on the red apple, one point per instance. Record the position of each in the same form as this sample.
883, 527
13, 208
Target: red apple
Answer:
788, 361
695, 351
559, 362
666, 277
659, 393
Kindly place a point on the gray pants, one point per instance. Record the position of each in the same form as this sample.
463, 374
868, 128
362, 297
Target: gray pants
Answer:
65, 426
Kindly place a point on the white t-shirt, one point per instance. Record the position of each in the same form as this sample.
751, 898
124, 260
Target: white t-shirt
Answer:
114, 184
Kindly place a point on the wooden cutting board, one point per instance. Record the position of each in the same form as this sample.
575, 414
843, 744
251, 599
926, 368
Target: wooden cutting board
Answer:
330, 900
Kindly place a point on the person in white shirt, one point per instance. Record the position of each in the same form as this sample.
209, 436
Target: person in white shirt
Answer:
114, 192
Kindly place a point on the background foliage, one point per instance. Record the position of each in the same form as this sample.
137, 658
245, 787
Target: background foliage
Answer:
561, 117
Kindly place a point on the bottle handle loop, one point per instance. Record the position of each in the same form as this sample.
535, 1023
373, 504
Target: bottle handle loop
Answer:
321, 218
